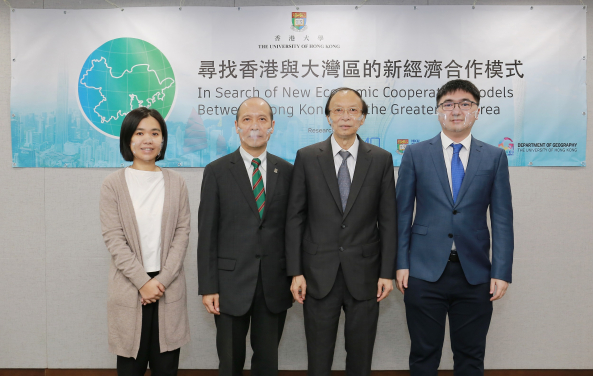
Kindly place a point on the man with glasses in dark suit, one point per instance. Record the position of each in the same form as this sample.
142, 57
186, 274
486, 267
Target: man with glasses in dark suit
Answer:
341, 236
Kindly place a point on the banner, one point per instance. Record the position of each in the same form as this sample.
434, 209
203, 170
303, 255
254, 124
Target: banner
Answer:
77, 73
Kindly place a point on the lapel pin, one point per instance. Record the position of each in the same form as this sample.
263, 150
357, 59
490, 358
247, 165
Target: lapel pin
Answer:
275, 170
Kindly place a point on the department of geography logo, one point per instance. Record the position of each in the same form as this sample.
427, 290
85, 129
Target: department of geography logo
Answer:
508, 146
121, 75
299, 21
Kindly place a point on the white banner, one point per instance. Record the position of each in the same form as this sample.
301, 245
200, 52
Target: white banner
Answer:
75, 74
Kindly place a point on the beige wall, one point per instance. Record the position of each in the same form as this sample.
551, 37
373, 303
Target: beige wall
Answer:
53, 263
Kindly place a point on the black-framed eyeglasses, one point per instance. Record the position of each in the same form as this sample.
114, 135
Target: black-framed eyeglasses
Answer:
463, 105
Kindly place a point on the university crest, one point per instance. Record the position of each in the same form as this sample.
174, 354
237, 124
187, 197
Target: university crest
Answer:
401, 145
299, 21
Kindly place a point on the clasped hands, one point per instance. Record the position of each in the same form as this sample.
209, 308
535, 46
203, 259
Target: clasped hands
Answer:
152, 291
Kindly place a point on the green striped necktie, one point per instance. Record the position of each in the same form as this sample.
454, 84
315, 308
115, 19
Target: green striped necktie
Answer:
258, 186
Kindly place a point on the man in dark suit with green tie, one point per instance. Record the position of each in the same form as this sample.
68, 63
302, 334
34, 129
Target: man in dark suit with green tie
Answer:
241, 262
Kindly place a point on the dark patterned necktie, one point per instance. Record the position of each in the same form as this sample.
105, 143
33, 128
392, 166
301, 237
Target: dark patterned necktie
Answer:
258, 186
457, 171
344, 181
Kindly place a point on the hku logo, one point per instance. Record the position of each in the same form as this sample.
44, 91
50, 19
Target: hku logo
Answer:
299, 21
401, 145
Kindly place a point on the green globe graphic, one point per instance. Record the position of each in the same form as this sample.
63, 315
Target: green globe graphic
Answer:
121, 75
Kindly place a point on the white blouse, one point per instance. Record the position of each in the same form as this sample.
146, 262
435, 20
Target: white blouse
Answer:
147, 189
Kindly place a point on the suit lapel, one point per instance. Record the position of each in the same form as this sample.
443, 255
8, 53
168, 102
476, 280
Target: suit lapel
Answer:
243, 180
326, 161
271, 179
438, 158
363, 162
475, 157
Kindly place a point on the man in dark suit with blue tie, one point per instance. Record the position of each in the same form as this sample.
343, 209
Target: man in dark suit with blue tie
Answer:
443, 261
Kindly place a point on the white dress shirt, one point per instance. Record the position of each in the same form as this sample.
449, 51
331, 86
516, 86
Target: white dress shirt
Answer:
350, 162
448, 155
247, 158
147, 190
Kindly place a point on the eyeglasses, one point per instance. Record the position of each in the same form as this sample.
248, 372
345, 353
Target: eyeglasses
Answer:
464, 105
352, 111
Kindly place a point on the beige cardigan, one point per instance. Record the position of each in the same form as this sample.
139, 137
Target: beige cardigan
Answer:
127, 275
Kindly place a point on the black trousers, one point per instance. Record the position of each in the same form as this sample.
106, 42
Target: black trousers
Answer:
321, 329
469, 309
266, 331
161, 364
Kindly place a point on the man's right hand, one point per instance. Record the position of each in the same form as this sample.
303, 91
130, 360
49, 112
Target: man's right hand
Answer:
210, 301
152, 291
298, 288
401, 279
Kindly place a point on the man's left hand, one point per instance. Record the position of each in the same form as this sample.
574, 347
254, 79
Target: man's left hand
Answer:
499, 286
384, 287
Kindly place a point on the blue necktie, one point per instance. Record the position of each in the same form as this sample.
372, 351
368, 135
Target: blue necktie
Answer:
457, 171
344, 179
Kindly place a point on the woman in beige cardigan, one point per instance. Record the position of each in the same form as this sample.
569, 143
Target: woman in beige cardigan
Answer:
145, 220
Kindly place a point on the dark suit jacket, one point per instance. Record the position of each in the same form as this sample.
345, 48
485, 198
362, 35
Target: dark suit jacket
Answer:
320, 236
425, 245
234, 242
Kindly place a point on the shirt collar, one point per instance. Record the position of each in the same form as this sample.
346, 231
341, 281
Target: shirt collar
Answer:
247, 158
447, 141
353, 149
